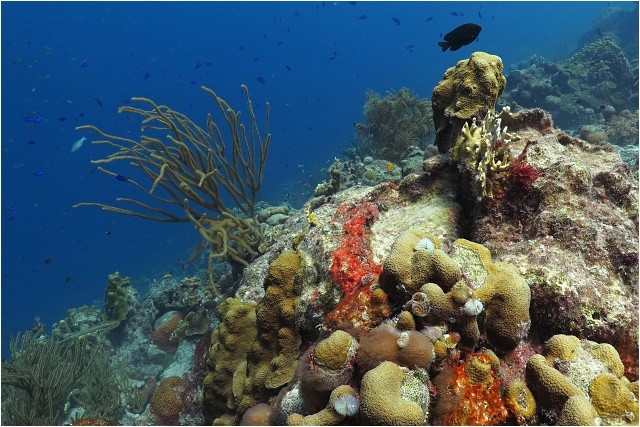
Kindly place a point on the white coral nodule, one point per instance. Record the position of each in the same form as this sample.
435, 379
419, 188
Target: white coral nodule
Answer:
473, 307
347, 405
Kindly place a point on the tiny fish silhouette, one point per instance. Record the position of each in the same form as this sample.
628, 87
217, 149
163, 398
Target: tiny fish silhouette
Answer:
361, 17
287, 67
62, 119
37, 174
430, 18
396, 21
47, 261
32, 119
99, 102
147, 75
198, 65
454, 13
261, 80
122, 178
85, 63
31, 142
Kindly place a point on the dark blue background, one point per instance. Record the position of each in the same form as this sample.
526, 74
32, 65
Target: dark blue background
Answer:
314, 106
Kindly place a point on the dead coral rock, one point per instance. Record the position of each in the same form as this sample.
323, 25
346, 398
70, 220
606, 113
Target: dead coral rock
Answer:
472, 85
575, 240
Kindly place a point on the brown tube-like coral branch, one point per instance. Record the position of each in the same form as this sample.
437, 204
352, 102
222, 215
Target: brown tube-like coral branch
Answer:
186, 162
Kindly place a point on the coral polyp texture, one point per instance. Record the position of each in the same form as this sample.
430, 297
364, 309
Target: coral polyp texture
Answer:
496, 286
467, 89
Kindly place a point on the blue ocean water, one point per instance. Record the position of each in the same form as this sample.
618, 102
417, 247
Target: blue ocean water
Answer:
74, 63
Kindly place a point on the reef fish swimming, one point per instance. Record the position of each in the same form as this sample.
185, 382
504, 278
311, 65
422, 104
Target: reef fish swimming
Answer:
78, 144
461, 36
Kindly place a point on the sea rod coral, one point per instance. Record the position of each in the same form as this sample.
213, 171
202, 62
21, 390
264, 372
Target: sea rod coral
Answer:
193, 168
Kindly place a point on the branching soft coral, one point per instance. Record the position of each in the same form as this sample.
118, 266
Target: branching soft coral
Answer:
394, 123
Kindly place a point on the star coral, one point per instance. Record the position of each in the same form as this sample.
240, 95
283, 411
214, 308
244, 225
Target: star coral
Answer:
166, 402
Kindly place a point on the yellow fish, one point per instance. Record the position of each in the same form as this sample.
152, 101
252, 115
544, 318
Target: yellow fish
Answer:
389, 167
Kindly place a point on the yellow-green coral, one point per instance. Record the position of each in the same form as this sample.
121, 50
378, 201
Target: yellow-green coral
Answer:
388, 396
483, 150
578, 411
116, 302
521, 400
272, 359
563, 347
409, 265
335, 351
612, 398
230, 343
465, 90
548, 385
328, 416
505, 294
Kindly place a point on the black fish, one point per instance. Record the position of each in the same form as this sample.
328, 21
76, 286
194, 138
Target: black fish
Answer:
361, 17
99, 102
396, 21
48, 261
454, 13
62, 119
429, 18
461, 36
68, 279
288, 68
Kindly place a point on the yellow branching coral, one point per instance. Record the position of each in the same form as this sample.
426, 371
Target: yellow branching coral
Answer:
193, 168
484, 150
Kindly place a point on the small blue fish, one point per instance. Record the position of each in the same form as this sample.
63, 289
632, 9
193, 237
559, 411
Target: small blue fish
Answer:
99, 102
32, 119
31, 142
362, 17
479, 15
193, 82
430, 18
147, 75
266, 35
208, 64
352, 3
62, 119
198, 65
280, 42
85, 63
298, 13
242, 47
37, 174
122, 178
396, 21
287, 67
454, 13
256, 59
261, 80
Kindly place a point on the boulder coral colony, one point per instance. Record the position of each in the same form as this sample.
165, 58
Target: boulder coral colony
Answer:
496, 285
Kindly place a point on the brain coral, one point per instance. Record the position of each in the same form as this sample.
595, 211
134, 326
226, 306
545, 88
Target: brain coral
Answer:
590, 371
471, 86
391, 396
410, 264
166, 402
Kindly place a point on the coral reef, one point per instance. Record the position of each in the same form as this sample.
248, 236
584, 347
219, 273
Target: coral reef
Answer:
167, 401
585, 89
391, 396
581, 380
272, 358
465, 91
226, 362
394, 123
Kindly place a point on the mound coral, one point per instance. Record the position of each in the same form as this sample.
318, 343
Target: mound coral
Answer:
343, 402
391, 396
458, 288
465, 90
325, 366
272, 359
165, 326
410, 349
580, 380
167, 401
226, 363
411, 263
394, 123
